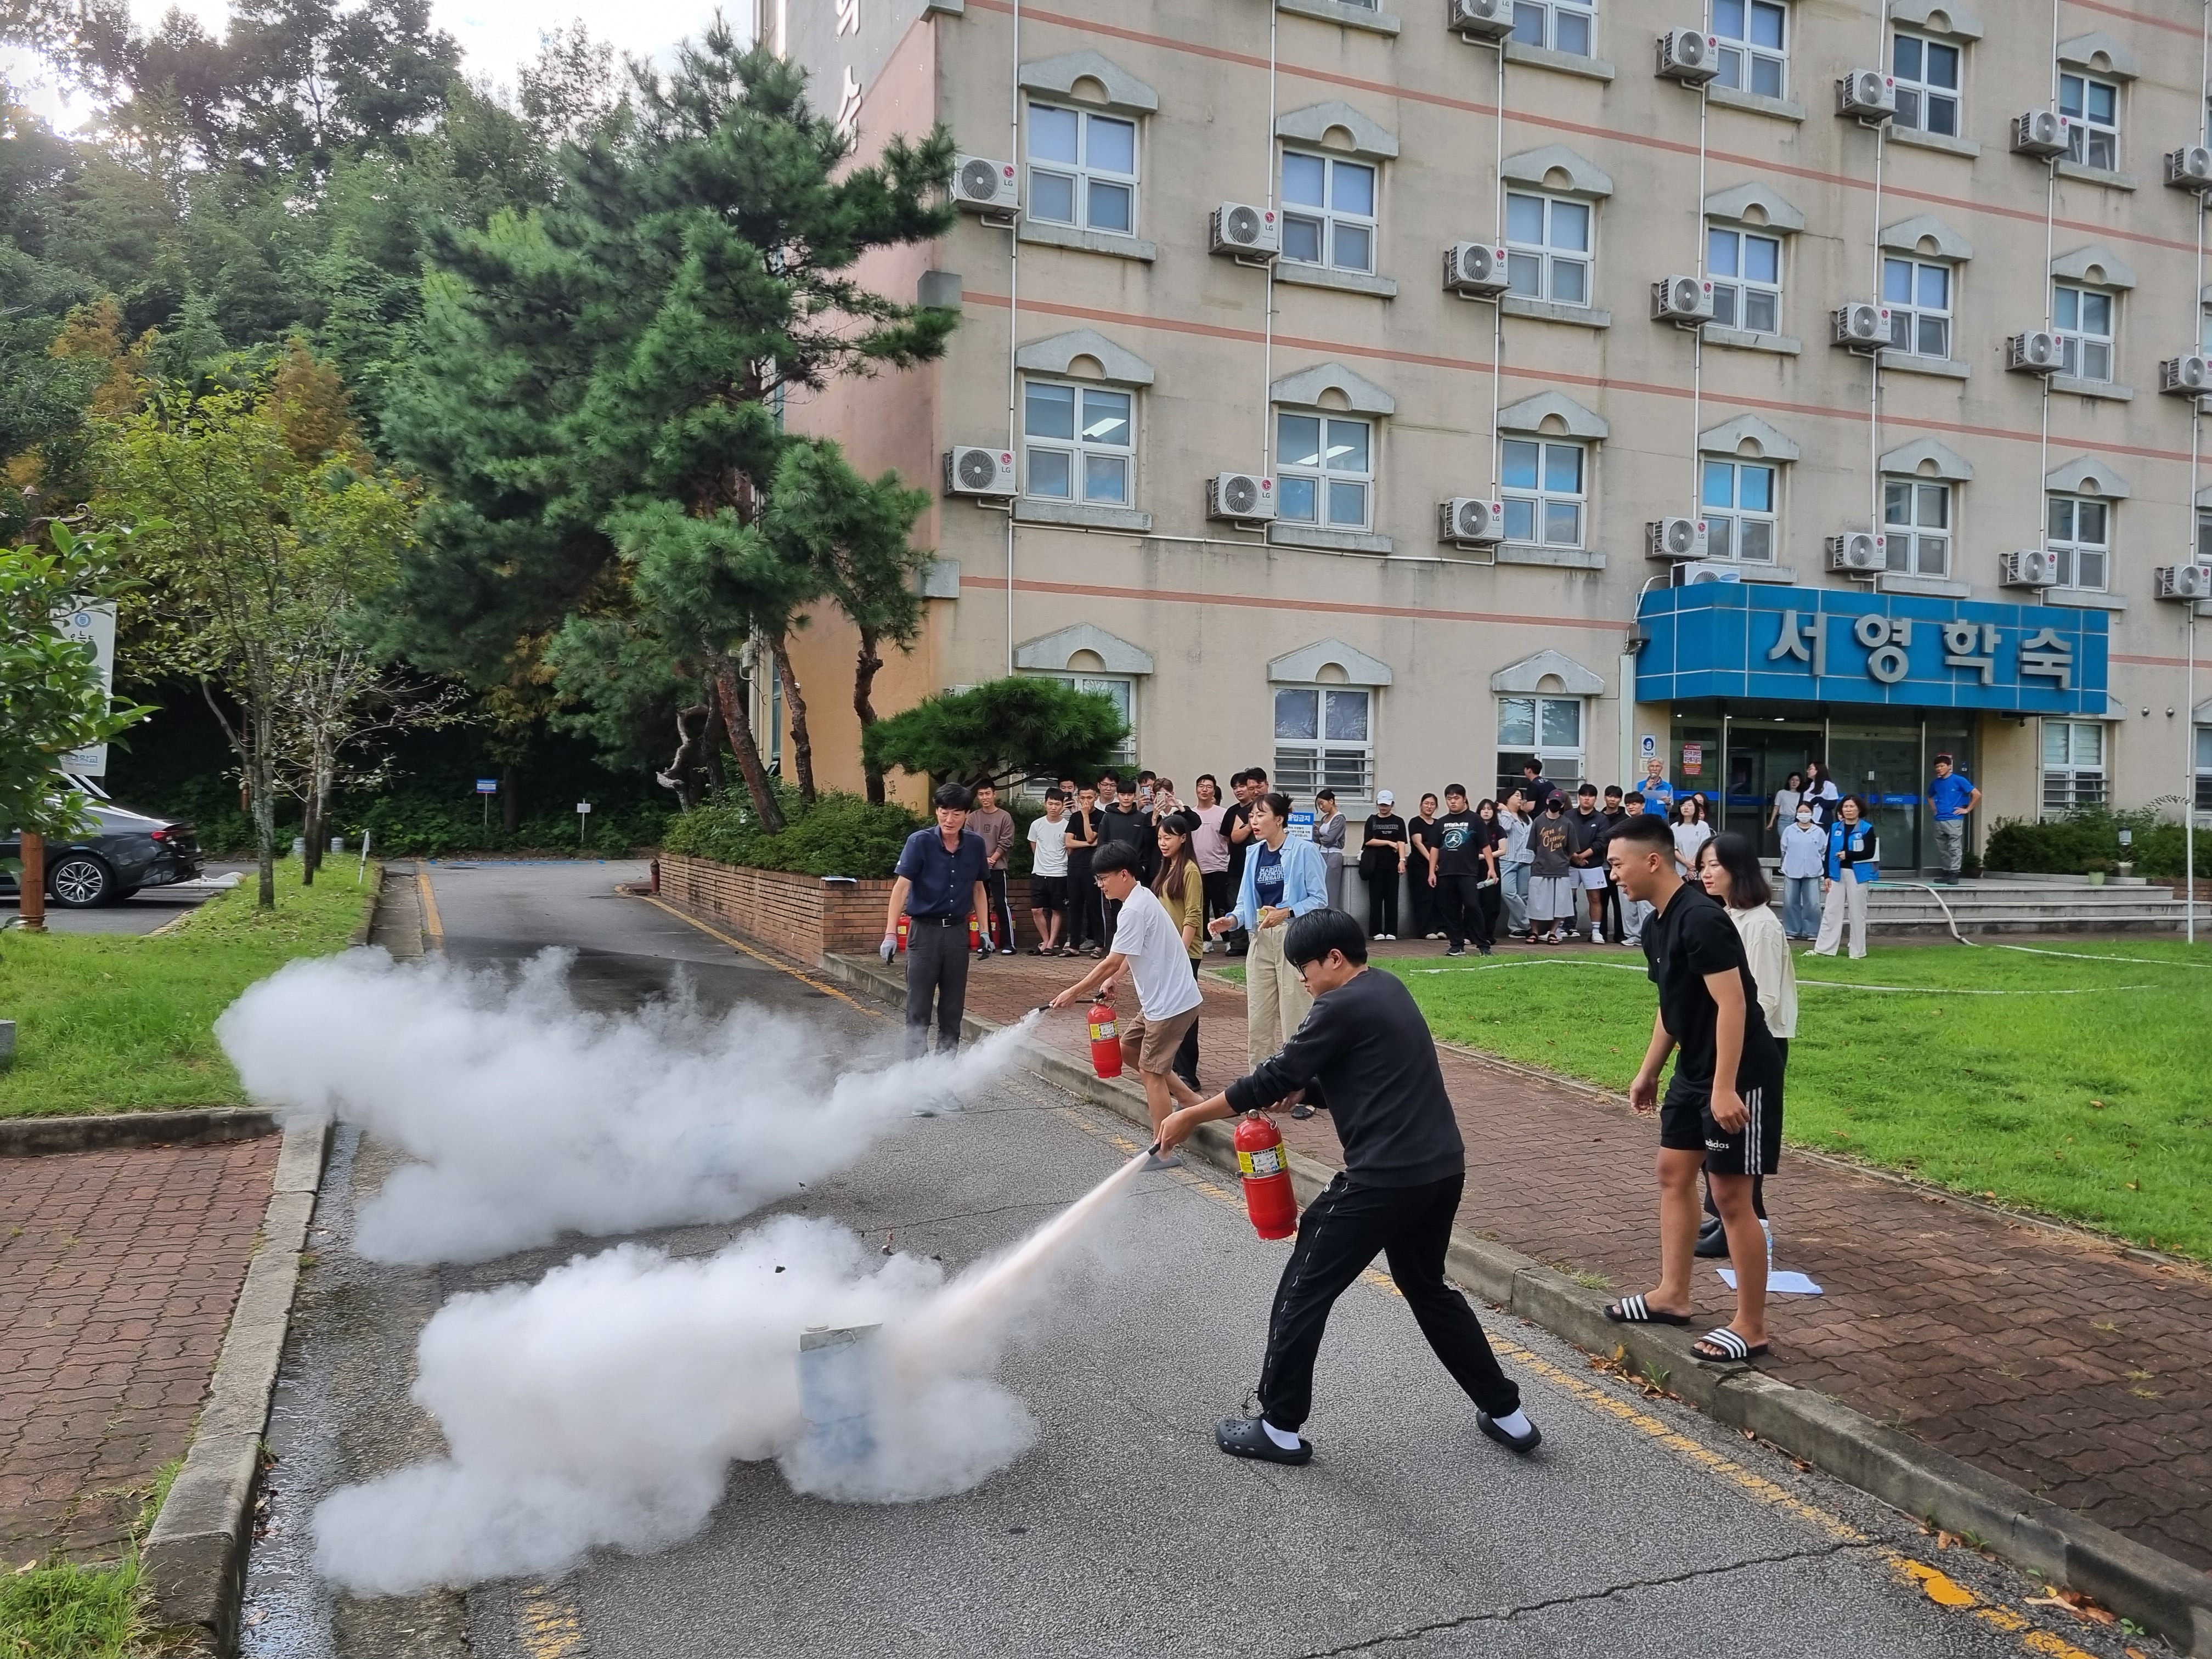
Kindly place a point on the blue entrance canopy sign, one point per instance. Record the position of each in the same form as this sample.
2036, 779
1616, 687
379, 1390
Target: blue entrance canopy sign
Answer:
1775, 644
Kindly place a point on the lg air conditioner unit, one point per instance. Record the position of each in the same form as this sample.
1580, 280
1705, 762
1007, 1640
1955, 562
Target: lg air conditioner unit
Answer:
2185, 377
1685, 301
982, 186
1692, 574
2187, 582
1858, 552
1687, 56
1861, 325
2190, 168
1249, 233
970, 469
1470, 521
1674, 539
1474, 270
2039, 351
1240, 497
1866, 95
2041, 132
2028, 567
1482, 19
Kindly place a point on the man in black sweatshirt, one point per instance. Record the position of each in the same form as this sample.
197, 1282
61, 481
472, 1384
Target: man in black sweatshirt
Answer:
1367, 1045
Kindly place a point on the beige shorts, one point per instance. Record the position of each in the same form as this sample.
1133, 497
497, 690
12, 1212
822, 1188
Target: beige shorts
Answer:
1157, 1040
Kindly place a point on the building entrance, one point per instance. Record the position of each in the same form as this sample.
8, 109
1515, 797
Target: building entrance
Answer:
1762, 756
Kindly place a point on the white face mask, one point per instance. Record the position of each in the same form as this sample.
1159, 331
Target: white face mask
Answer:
1804, 818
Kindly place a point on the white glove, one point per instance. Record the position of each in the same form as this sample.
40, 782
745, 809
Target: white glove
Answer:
888, 948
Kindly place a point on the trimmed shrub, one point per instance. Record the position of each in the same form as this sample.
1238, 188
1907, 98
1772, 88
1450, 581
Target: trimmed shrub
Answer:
842, 835
2070, 845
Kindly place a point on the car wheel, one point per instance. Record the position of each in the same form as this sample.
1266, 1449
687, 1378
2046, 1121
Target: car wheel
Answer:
80, 881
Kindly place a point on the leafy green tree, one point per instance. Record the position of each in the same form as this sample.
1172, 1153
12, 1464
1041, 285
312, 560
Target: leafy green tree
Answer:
599, 380
1000, 731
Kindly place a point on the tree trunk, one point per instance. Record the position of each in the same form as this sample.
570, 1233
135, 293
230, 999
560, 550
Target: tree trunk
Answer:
864, 688
263, 772
311, 829
739, 720
794, 702
510, 806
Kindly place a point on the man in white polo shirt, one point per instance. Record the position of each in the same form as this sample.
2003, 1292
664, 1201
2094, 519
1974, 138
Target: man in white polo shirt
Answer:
1146, 942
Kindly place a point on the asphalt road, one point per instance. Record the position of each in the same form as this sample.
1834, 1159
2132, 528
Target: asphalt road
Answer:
1639, 1529
148, 909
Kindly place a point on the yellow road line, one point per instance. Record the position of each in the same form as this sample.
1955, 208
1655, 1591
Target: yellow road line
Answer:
549, 1624
758, 956
434, 929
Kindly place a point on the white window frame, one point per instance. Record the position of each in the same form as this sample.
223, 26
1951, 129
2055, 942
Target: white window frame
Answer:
1332, 220
1906, 315
1924, 93
1909, 540
2071, 779
1738, 53
2089, 139
1561, 761
1726, 522
1122, 688
2204, 535
1543, 22
1327, 473
2088, 353
1304, 766
1741, 290
2204, 768
1082, 172
1543, 500
2075, 551
1544, 259
1080, 450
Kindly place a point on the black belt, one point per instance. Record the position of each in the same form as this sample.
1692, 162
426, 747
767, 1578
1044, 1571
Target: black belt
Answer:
936, 921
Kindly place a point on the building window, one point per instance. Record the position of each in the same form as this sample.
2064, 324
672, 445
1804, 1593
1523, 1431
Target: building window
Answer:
1324, 739
1917, 518
2204, 535
2204, 768
1927, 76
1919, 295
2081, 534
1326, 471
2094, 139
1567, 26
1739, 511
1548, 248
2072, 765
1079, 442
1123, 691
1547, 729
1328, 211
1545, 488
1083, 170
2084, 316
1747, 272
1754, 45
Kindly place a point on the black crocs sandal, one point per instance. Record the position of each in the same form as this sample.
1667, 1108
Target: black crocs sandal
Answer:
1635, 1310
1726, 1348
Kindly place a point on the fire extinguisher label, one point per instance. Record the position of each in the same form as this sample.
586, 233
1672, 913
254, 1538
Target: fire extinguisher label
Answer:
1261, 1163
1104, 1031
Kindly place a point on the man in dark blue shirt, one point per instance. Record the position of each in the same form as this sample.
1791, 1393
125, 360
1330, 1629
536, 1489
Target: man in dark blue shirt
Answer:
940, 885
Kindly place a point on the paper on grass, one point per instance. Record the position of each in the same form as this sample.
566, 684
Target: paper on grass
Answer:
1778, 1283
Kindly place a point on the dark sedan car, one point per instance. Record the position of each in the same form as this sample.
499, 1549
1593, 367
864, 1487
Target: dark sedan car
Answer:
120, 852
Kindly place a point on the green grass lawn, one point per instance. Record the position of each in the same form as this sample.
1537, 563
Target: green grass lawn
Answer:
2083, 1092
110, 1023
59, 1610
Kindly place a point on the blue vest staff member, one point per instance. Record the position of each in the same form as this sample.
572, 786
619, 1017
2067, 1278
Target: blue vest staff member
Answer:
940, 885
1404, 1165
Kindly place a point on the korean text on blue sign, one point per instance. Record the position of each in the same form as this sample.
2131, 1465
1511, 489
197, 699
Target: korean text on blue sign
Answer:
1830, 645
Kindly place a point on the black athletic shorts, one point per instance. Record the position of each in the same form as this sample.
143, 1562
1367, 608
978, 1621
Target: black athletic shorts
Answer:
1687, 1125
1048, 894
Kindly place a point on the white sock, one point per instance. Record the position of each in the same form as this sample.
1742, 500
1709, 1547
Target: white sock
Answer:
1282, 1437
1517, 1425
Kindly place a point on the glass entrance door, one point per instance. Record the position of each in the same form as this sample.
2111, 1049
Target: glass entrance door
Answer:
1762, 753
1882, 765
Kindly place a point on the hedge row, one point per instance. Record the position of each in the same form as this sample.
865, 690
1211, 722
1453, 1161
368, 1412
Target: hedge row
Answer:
840, 834
2090, 839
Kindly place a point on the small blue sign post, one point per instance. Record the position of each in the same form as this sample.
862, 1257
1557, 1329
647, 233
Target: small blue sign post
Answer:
487, 787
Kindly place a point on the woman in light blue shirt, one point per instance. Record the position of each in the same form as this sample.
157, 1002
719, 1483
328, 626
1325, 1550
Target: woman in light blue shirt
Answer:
1514, 858
1804, 862
1282, 879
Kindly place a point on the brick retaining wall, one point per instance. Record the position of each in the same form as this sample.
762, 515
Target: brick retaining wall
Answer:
802, 916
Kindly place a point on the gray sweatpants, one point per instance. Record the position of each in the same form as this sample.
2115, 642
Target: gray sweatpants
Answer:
936, 968
1950, 845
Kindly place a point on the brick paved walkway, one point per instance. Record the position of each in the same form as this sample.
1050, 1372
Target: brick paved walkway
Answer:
118, 1273
2049, 1360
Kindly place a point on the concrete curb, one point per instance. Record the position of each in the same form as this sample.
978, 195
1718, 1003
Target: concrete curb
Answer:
2165, 1597
194, 1561
196, 1126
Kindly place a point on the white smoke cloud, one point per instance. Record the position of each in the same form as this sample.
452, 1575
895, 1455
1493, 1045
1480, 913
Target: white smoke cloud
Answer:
604, 1405
531, 1117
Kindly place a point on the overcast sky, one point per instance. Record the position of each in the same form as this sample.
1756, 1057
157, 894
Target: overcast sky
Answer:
496, 35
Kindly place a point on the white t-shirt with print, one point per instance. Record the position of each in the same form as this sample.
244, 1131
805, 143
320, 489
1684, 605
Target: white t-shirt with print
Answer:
1048, 844
1159, 967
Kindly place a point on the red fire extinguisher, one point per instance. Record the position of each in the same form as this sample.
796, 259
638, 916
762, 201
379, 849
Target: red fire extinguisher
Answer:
905, 926
1266, 1167
1105, 1040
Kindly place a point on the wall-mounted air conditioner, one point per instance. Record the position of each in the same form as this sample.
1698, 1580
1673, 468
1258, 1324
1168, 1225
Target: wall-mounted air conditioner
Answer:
1471, 520
2190, 168
982, 186
1674, 539
1482, 19
971, 469
1866, 95
2039, 351
1240, 497
1689, 56
2041, 132
1251, 233
1474, 270
1858, 552
2189, 376
1685, 301
1692, 575
1861, 325
2185, 582
2028, 567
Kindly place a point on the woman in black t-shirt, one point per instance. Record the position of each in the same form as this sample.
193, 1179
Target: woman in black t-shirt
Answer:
1420, 897
1382, 862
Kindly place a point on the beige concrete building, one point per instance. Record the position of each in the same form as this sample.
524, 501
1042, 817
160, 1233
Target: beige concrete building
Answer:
1953, 542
